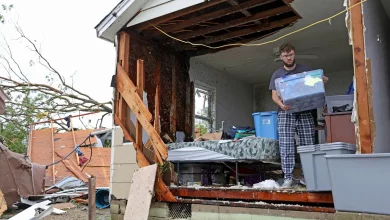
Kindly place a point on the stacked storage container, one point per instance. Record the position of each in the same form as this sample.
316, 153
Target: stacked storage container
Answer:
314, 163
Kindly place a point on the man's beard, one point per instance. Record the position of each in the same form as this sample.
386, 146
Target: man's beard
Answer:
289, 65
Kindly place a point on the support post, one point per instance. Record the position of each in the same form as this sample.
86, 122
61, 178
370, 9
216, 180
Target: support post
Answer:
363, 131
91, 198
237, 181
174, 90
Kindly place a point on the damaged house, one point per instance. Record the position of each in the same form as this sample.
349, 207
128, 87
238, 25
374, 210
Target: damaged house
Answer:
183, 66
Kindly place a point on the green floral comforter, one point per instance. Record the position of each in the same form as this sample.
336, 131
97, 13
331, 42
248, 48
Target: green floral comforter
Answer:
251, 148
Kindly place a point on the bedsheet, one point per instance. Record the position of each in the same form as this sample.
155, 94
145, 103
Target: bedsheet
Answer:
250, 148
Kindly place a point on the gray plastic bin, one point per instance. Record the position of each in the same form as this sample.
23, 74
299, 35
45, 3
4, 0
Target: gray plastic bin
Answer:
360, 182
338, 100
314, 164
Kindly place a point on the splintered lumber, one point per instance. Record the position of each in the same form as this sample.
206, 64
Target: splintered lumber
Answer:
74, 168
140, 90
141, 193
129, 92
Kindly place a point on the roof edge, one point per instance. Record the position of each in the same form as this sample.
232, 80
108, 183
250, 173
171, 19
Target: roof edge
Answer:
118, 17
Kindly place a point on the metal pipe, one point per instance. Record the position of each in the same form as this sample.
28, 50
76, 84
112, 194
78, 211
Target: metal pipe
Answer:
91, 198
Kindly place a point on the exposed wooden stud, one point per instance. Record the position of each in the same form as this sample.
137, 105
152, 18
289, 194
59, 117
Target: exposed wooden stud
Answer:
246, 31
157, 97
234, 23
253, 194
216, 14
364, 140
140, 91
30, 140
163, 19
173, 106
193, 108
128, 90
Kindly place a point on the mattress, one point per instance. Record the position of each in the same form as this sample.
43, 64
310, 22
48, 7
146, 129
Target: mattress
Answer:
250, 148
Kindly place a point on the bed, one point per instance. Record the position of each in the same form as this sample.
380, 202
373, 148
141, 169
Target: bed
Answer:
250, 148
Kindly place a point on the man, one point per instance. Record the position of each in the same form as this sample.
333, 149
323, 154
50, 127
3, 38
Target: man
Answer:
289, 123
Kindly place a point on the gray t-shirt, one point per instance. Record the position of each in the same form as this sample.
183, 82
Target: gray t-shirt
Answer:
299, 68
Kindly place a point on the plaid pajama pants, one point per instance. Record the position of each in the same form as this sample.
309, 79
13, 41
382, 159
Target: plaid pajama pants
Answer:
288, 124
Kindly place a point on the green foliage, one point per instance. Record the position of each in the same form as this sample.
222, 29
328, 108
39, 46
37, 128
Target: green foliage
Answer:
14, 129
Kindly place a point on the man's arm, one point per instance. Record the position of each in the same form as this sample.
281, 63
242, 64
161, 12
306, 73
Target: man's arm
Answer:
278, 101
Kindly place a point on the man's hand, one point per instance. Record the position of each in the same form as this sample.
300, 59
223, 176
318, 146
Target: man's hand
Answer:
284, 107
325, 79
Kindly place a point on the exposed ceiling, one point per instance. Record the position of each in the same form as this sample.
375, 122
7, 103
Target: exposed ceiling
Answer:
328, 40
218, 22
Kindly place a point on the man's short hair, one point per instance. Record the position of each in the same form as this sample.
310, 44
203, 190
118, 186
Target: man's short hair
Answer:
286, 48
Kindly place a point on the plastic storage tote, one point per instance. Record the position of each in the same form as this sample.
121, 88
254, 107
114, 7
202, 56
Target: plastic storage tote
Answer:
339, 100
314, 164
360, 182
266, 124
302, 91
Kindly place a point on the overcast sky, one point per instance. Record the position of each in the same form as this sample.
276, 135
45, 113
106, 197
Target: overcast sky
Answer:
66, 31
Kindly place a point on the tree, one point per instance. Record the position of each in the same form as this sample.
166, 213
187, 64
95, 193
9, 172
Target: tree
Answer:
33, 101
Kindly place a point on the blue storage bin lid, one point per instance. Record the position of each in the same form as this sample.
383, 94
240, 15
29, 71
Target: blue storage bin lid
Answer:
264, 113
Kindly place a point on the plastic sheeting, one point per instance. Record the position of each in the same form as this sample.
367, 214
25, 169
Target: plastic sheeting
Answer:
197, 154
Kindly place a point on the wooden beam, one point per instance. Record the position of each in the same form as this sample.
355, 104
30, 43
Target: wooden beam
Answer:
208, 51
216, 14
246, 31
176, 14
244, 12
128, 90
130, 136
173, 99
157, 96
140, 90
257, 195
364, 140
230, 24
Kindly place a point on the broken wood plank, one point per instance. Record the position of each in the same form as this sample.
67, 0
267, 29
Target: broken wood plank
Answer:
140, 90
230, 24
33, 213
364, 140
216, 14
74, 168
173, 98
128, 91
176, 14
141, 193
247, 31
253, 194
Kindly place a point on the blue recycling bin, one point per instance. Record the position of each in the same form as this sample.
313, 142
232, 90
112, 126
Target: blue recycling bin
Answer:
266, 124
